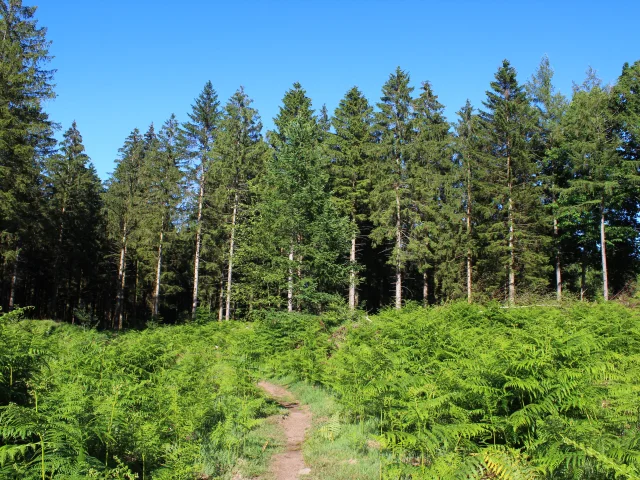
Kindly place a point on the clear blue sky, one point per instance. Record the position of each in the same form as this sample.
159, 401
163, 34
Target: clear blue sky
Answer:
124, 64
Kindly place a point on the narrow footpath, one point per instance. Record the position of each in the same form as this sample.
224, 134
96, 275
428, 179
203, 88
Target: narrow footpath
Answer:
289, 465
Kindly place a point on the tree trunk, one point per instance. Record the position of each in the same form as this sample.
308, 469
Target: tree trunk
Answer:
14, 280
583, 279
469, 257
352, 274
290, 281
122, 272
512, 253
231, 246
196, 261
603, 242
221, 298
425, 289
156, 290
398, 251
558, 264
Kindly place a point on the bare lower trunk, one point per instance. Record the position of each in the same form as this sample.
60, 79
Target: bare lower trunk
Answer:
583, 279
512, 253
290, 281
196, 260
603, 249
231, 247
398, 252
221, 298
156, 290
14, 280
558, 265
122, 272
352, 274
425, 289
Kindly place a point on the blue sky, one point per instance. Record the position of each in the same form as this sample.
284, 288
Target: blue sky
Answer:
125, 64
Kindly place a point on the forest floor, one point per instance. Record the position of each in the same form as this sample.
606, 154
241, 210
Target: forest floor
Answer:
289, 464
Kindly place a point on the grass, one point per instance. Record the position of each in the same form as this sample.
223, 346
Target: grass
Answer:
335, 449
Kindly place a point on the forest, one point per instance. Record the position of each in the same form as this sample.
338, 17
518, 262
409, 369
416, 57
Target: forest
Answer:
454, 298
529, 195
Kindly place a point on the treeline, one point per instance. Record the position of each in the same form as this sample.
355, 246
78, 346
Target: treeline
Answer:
530, 193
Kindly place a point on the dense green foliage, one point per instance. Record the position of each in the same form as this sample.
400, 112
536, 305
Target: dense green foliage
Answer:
480, 392
174, 402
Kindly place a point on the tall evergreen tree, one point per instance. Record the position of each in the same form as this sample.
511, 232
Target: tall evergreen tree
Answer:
353, 145
163, 187
25, 133
240, 154
430, 170
74, 203
200, 134
392, 207
550, 107
122, 199
513, 234
468, 158
594, 191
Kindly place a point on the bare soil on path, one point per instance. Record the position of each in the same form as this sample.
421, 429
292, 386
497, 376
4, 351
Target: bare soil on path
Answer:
289, 465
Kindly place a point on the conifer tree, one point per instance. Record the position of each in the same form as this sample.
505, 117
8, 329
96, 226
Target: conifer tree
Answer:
74, 203
549, 107
25, 133
391, 201
200, 133
296, 238
122, 199
352, 146
163, 185
240, 154
468, 155
513, 234
595, 185
431, 185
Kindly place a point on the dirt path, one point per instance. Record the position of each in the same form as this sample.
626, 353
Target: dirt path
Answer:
289, 465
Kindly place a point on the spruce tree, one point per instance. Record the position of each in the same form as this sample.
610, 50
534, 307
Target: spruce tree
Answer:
25, 134
122, 200
200, 134
240, 155
391, 202
296, 238
73, 192
513, 236
549, 107
594, 191
162, 192
431, 183
468, 157
352, 152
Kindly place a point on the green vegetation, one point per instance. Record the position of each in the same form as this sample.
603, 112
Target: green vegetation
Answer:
461, 391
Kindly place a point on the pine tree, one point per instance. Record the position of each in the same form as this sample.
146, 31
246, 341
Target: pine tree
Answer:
240, 154
468, 156
74, 203
122, 199
430, 170
296, 238
25, 133
391, 203
162, 190
594, 189
200, 133
513, 235
550, 107
352, 146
